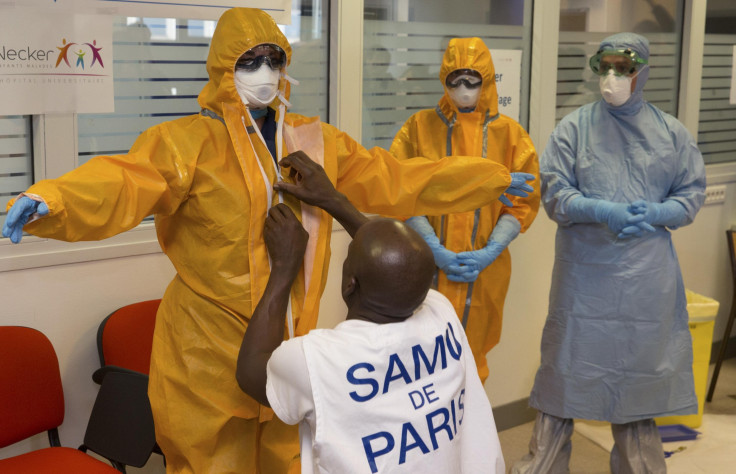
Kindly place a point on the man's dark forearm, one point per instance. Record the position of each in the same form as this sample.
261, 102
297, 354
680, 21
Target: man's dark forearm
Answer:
264, 334
345, 213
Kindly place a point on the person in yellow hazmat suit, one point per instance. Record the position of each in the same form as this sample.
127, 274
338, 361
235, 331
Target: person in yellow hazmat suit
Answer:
470, 247
209, 178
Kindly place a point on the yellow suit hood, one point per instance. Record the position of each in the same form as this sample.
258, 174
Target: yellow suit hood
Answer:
238, 30
470, 53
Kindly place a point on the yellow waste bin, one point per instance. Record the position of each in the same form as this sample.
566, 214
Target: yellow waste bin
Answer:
702, 313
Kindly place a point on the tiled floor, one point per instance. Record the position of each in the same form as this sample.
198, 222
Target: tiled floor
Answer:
588, 457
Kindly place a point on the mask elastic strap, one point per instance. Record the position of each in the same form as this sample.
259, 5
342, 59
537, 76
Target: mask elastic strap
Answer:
280, 124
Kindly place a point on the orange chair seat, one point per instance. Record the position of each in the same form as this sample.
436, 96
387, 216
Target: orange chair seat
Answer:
59, 460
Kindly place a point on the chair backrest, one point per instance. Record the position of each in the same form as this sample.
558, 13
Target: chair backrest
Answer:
120, 427
125, 337
31, 395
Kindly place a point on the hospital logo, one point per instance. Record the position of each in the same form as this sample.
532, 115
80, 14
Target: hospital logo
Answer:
82, 55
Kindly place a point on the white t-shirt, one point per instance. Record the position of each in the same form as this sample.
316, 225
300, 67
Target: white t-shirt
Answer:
399, 397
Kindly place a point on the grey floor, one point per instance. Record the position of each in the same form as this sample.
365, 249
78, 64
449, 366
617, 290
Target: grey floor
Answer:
588, 457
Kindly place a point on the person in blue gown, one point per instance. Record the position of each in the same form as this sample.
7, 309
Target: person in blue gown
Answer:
617, 176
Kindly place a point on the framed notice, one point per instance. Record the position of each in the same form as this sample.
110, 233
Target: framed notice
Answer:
507, 63
55, 63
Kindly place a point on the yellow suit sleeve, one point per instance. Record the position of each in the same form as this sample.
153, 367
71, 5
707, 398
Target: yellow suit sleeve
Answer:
376, 182
111, 194
403, 145
524, 160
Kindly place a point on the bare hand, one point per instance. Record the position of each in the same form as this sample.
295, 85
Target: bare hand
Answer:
286, 239
311, 182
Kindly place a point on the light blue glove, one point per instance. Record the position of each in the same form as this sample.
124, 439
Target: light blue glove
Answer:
518, 187
507, 229
669, 213
443, 258
461, 273
617, 216
18, 215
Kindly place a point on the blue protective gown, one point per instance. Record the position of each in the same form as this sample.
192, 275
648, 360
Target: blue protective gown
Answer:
616, 345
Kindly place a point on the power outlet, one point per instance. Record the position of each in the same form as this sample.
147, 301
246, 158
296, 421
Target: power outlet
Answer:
715, 194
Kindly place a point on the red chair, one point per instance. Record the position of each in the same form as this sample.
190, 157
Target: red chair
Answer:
31, 402
125, 337
124, 342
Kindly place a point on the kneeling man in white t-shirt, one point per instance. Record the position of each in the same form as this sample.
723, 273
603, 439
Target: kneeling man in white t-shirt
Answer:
393, 388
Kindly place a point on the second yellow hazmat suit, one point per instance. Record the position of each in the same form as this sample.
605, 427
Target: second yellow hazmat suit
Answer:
208, 179
435, 133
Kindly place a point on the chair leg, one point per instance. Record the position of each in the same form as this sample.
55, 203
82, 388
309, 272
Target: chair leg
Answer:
721, 353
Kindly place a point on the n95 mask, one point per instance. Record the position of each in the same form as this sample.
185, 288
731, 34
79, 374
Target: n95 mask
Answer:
616, 90
463, 97
258, 88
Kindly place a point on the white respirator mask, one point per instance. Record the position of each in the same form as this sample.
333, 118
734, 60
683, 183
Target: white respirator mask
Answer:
257, 88
463, 97
616, 90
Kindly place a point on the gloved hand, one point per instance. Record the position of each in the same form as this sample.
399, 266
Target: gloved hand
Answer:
443, 258
506, 230
461, 273
615, 215
636, 227
18, 215
669, 213
518, 187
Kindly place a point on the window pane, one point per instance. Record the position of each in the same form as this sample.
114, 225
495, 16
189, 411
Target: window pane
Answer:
717, 123
16, 158
584, 23
159, 66
403, 46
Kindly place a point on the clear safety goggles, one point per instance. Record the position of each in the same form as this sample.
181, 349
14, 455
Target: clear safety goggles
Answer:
252, 59
470, 78
621, 61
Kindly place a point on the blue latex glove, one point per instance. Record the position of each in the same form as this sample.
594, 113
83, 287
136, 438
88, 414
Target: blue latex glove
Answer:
506, 230
443, 258
616, 215
669, 213
461, 273
18, 215
518, 187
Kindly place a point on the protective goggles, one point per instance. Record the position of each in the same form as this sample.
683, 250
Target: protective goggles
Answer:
252, 59
468, 77
621, 61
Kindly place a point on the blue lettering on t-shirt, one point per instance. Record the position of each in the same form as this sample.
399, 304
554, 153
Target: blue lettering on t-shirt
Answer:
453, 347
367, 381
414, 435
433, 430
370, 454
417, 352
406, 429
397, 370
395, 361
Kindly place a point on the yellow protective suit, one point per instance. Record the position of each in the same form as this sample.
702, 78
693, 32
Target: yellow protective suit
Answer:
208, 179
434, 133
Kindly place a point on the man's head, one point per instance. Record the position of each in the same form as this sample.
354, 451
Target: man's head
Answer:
242, 34
468, 75
622, 62
257, 74
387, 273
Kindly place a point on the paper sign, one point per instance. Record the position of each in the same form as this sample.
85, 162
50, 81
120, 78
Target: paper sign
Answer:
507, 63
55, 63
